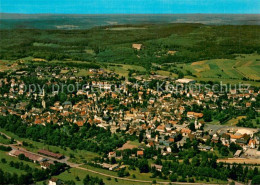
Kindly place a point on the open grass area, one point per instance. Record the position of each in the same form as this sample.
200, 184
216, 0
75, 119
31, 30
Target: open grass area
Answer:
135, 142
74, 172
146, 176
7, 168
5, 140
139, 176
249, 65
166, 73
123, 69
234, 121
226, 70
100, 170
64, 71
214, 122
83, 72
226, 81
77, 156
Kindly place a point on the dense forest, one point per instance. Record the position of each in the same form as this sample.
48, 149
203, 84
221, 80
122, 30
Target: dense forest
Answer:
193, 42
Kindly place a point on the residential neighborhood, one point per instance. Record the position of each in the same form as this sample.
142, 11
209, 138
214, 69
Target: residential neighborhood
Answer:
166, 118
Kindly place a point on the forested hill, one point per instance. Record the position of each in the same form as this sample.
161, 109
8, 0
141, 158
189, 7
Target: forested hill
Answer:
187, 43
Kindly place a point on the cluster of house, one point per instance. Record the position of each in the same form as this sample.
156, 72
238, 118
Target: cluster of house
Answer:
246, 138
133, 109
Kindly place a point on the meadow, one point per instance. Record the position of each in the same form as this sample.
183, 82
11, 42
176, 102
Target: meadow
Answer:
7, 168
76, 156
243, 68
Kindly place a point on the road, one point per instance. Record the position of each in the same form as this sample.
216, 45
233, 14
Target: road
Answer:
78, 166
8, 137
141, 181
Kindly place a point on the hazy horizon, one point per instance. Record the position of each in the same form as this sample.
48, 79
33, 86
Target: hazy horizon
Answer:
131, 6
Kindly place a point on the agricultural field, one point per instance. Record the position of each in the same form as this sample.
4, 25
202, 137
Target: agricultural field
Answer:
240, 69
249, 66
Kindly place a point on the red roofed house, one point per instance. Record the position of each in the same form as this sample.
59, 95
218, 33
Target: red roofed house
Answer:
160, 128
198, 115
185, 131
45, 165
194, 115
248, 104
140, 153
151, 144
111, 154
50, 154
252, 143
38, 121
80, 123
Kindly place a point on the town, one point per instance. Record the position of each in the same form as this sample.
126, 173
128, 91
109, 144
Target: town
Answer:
132, 122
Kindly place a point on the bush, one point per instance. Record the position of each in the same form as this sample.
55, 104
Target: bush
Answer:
5, 148
3, 160
256, 180
173, 177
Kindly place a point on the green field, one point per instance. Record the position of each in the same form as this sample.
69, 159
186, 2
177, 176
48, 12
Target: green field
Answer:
80, 156
6, 167
4, 140
77, 156
225, 70
74, 172
139, 176
123, 69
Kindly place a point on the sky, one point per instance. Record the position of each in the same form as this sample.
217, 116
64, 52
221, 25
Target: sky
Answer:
130, 6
